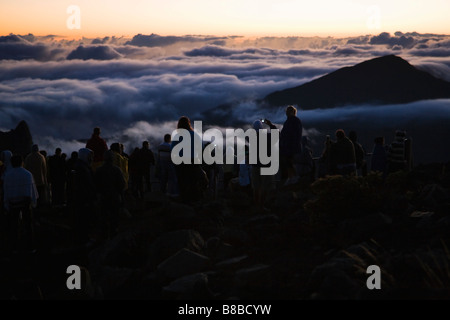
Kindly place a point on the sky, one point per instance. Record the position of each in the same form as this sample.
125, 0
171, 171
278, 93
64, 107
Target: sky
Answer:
77, 18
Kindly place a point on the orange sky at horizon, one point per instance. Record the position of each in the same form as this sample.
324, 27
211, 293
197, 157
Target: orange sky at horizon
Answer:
223, 18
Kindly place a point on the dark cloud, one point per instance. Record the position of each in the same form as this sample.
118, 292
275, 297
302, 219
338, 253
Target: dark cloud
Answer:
431, 52
94, 52
358, 40
19, 50
155, 40
216, 51
11, 38
386, 39
101, 41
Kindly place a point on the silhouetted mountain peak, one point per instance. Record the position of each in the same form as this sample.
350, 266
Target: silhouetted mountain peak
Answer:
384, 80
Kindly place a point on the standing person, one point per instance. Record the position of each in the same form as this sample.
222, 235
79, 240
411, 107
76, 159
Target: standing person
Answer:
84, 195
147, 159
5, 161
290, 144
305, 166
343, 157
120, 161
360, 154
379, 156
110, 185
245, 175
36, 163
190, 176
229, 168
57, 175
136, 186
20, 194
324, 163
98, 146
397, 153
261, 184
168, 178
70, 169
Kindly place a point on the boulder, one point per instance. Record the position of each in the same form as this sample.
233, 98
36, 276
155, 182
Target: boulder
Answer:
170, 243
218, 250
190, 287
232, 263
182, 263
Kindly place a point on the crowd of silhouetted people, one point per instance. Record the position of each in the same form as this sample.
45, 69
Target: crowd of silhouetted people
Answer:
95, 180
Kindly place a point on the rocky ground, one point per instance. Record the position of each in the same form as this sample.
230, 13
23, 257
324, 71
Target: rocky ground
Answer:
315, 242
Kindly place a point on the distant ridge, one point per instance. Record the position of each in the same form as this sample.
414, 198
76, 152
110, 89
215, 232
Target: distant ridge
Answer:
384, 80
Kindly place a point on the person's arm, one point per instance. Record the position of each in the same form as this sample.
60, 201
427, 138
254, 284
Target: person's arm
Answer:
270, 124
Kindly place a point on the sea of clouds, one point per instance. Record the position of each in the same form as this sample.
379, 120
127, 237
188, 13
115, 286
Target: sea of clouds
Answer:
135, 89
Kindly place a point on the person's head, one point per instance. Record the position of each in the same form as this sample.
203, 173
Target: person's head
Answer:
96, 131
257, 125
64, 156
58, 151
352, 136
115, 147
86, 155
16, 161
5, 157
291, 111
35, 148
74, 155
379, 141
145, 145
136, 151
340, 134
43, 152
184, 123
167, 138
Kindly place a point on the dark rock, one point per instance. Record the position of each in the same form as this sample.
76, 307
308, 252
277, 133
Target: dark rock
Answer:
251, 274
177, 216
190, 287
182, 263
261, 220
121, 251
112, 280
255, 281
331, 280
172, 242
232, 263
432, 196
366, 226
424, 219
218, 250
235, 237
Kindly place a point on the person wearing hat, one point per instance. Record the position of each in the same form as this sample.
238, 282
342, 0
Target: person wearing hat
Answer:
290, 145
396, 152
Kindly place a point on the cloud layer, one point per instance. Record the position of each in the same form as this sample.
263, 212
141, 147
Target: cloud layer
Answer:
138, 87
